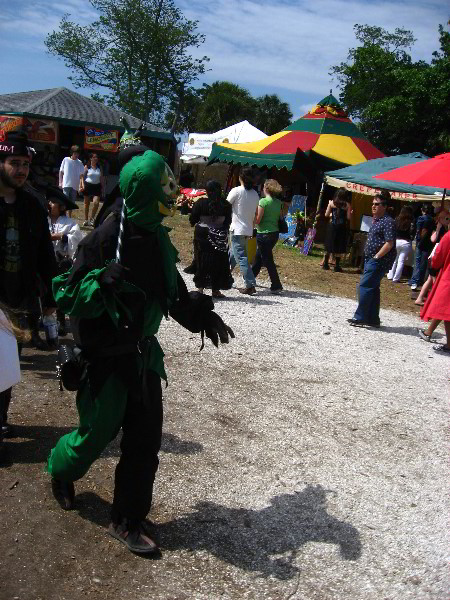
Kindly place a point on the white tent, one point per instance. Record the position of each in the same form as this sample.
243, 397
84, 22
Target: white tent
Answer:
198, 147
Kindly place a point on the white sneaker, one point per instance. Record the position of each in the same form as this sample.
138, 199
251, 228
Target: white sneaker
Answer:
414, 286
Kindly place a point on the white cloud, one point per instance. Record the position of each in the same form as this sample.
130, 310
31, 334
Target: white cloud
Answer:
292, 45
285, 45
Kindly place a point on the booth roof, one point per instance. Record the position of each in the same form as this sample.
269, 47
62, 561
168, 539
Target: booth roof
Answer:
71, 108
362, 174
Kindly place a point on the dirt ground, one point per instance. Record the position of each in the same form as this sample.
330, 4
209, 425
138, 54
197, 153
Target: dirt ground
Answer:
48, 554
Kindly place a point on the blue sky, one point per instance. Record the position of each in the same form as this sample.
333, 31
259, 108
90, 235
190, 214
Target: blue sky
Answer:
284, 47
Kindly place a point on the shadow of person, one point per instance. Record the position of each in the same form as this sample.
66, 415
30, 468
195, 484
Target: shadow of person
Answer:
265, 541
32, 443
406, 330
172, 444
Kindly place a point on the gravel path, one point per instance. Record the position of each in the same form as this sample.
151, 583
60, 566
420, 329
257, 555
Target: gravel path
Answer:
318, 458
306, 460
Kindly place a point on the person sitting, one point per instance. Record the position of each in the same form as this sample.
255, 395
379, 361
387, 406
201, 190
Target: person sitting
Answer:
212, 218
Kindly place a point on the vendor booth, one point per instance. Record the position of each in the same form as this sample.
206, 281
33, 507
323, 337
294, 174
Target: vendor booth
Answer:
55, 119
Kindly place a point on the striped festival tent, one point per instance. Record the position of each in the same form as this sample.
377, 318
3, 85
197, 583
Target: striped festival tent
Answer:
325, 138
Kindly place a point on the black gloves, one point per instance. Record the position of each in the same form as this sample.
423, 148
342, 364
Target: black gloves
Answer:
113, 275
194, 311
215, 329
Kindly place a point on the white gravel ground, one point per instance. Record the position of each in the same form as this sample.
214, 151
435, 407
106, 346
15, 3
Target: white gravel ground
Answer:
305, 460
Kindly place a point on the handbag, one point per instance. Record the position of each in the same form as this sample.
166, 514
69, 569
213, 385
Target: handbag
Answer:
69, 367
282, 225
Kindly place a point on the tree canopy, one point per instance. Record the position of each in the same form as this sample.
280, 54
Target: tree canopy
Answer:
137, 52
402, 105
221, 104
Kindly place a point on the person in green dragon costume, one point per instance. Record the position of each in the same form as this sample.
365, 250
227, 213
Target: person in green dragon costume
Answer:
123, 281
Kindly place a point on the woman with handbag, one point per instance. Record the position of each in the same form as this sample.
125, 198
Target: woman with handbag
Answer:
340, 211
267, 223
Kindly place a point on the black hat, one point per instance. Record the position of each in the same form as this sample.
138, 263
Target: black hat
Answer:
15, 143
55, 194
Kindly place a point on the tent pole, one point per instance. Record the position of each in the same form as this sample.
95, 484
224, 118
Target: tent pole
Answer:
319, 204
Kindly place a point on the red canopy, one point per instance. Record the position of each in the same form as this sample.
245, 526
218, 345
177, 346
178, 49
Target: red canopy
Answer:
434, 172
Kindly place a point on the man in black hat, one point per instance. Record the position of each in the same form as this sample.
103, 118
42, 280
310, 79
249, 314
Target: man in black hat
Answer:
66, 235
27, 258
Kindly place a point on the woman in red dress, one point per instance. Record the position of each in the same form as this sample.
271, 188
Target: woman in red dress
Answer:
437, 305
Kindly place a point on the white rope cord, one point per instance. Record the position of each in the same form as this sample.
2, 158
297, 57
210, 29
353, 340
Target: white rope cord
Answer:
123, 217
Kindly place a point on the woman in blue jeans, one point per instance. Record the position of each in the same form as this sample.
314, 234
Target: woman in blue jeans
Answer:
269, 210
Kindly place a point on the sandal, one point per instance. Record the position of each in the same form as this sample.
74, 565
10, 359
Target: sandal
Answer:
442, 349
135, 538
423, 335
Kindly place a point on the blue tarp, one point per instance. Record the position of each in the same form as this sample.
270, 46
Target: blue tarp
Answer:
362, 174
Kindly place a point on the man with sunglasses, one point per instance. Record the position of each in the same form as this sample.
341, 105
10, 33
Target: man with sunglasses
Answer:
379, 255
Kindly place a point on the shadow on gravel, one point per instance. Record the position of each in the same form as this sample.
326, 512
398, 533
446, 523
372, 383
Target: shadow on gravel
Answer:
405, 330
32, 444
251, 539
172, 444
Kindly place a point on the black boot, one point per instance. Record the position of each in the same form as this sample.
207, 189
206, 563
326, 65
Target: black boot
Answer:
337, 268
325, 265
64, 493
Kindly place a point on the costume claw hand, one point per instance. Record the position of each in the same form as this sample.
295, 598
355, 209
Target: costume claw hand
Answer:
216, 329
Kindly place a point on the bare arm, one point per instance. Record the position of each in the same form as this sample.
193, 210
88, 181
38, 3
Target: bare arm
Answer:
258, 215
385, 248
329, 209
349, 211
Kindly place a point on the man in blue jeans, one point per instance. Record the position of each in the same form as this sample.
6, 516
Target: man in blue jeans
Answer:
424, 228
244, 203
379, 254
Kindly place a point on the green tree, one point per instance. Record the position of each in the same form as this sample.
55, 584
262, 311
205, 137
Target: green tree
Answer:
402, 105
272, 115
222, 104
137, 51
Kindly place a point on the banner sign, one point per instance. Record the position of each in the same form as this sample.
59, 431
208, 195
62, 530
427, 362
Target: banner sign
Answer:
37, 130
309, 239
298, 203
101, 139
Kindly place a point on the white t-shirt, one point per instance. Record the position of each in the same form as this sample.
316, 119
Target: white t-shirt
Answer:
93, 175
244, 204
70, 227
72, 169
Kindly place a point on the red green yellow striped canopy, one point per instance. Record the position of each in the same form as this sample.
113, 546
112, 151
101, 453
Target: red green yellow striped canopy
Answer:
325, 135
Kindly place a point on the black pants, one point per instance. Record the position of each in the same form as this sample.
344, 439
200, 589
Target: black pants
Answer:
264, 258
140, 444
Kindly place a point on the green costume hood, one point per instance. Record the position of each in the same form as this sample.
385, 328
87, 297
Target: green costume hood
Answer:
147, 183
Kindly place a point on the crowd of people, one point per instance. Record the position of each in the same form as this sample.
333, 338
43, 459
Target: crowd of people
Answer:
116, 297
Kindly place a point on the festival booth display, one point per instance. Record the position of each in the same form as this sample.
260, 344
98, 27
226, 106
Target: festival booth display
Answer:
322, 139
198, 147
359, 179
55, 119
